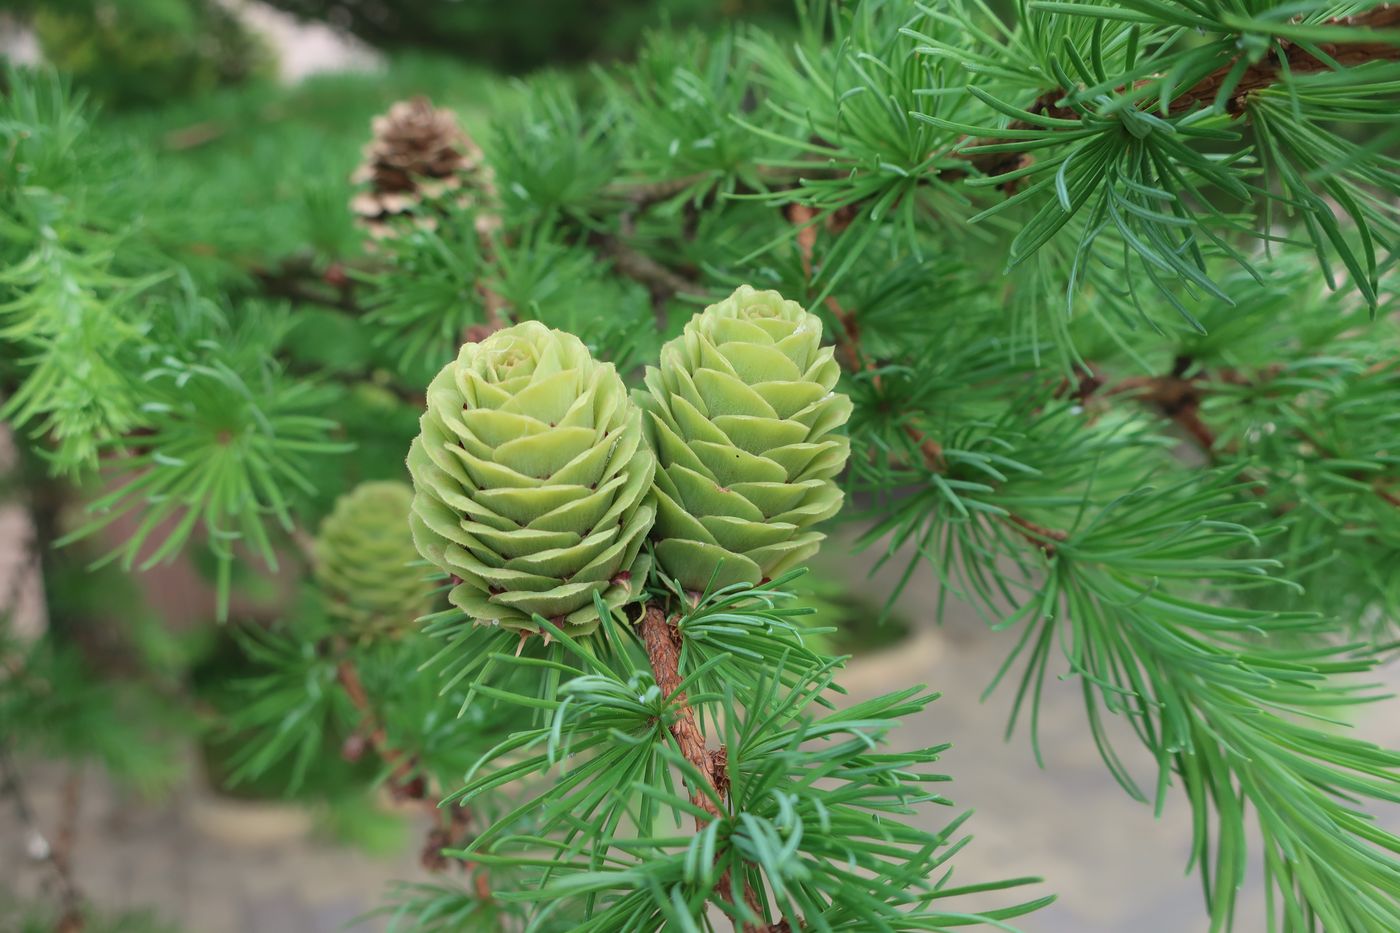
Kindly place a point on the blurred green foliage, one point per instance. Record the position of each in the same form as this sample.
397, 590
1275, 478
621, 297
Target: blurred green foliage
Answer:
141, 52
840, 620
245, 176
526, 34
20, 916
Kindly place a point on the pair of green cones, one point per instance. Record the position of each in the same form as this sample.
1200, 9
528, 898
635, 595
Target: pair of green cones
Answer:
537, 477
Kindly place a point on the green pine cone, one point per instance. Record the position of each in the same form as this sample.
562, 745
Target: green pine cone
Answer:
531, 476
743, 420
362, 558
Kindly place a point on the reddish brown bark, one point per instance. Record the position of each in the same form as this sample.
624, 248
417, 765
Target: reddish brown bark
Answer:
663, 646
1269, 70
1266, 72
1038, 535
404, 783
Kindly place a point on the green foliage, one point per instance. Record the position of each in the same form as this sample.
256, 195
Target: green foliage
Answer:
61, 705
527, 34
287, 719
224, 449
139, 52
439, 907
29, 917
554, 156
685, 88
812, 808
421, 309
289, 710
1240, 719
69, 314
1151, 150
843, 621
209, 200
96, 688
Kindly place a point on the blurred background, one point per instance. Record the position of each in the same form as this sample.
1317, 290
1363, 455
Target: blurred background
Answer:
275, 99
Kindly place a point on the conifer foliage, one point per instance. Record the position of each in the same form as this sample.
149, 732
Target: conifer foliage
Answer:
1087, 308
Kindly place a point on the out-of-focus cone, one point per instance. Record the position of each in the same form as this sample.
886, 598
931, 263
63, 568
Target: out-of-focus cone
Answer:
419, 158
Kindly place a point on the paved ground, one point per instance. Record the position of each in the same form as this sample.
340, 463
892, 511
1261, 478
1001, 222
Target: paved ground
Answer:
1115, 867
21, 588
256, 870
202, 864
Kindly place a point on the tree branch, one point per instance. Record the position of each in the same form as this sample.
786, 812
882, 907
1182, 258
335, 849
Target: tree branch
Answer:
1038, 535
1291, 60
1179, 398
1269, 70
848, 346
662, 282
645, 195
58, 854
404, 783
663, 646
447, 827
296, 278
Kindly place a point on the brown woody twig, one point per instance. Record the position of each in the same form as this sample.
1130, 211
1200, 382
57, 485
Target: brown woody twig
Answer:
405, 782
1292, 60
1269, 70
1044, 538
660, 281
848, 346
643, 196
58, 854
298, 278
663, 646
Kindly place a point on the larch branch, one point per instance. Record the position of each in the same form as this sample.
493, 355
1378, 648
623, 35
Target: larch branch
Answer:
854, 360
404, 783
663, 647
1295, 60
663, 644
298, 279
1292, 59
661, 281
1047, 539
644, 195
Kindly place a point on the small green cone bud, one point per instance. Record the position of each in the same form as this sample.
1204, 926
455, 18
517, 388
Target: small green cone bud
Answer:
744, 422
531, 477
363, 555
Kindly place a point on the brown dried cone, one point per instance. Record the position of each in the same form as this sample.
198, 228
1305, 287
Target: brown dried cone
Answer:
418, 159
